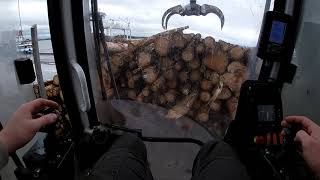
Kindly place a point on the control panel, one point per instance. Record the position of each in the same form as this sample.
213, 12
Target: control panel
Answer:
267, 150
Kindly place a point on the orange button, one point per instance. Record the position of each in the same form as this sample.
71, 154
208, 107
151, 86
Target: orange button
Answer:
281, 138
269, 139
275, 139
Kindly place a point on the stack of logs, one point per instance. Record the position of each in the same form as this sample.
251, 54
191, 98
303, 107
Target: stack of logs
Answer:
189, 75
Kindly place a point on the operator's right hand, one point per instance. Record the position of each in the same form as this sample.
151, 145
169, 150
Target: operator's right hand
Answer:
308, 139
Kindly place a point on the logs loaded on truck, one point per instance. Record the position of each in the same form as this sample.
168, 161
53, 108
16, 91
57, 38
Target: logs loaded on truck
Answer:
185, 73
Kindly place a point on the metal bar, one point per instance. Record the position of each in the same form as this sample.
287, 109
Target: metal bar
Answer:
193, 1
280, 6
107, 56
172, 140
36, 60
95, 18
155, 139
267, 7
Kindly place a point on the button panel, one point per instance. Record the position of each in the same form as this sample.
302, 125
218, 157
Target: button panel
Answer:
269, 139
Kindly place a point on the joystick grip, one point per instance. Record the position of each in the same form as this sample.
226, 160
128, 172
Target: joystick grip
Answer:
290, 133
50, 128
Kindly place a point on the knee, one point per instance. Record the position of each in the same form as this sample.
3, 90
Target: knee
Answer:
131, 143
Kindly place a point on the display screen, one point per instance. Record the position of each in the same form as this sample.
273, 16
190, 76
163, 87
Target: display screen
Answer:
266, 113
278, 32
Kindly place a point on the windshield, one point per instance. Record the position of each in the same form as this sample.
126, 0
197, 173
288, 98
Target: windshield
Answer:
193, 69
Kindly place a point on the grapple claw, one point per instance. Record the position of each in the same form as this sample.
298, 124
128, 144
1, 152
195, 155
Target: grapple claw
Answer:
192, 9
206, 9
170, 12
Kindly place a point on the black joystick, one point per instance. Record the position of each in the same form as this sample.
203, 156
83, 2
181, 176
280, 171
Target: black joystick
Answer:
290, 134
50, 128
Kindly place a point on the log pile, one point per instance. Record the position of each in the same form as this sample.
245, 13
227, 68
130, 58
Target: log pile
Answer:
189, 75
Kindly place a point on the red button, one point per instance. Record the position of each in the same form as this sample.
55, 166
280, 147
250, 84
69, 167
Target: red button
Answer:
259, 140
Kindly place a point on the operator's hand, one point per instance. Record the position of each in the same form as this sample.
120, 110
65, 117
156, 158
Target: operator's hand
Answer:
308, 139
25, 123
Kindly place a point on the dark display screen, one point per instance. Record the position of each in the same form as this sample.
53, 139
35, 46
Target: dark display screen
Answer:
266, 113
278, 32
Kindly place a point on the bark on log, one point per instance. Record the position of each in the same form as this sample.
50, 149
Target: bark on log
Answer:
151, 39
178, 41
116, 47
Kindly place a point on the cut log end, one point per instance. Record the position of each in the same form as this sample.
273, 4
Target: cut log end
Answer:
188, 54
162, 45
209, 42
216, 61
205, 96
144, 59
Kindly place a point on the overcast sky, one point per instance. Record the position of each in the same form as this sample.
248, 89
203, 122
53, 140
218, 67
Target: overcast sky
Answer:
242, 17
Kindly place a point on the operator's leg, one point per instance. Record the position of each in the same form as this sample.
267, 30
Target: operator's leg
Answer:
126, 159
218, 161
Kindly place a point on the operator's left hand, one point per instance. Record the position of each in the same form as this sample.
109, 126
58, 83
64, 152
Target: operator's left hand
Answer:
23, 125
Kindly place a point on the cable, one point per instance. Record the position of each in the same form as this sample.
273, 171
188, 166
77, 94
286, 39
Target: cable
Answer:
277, 175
